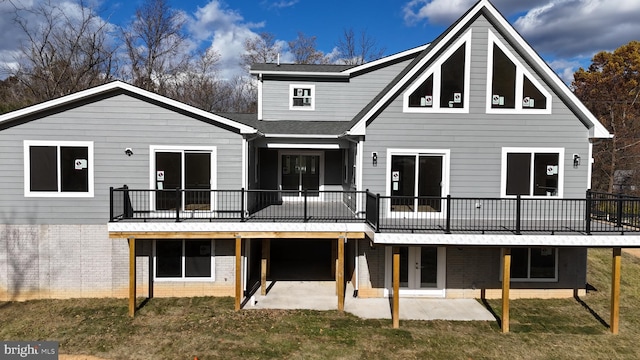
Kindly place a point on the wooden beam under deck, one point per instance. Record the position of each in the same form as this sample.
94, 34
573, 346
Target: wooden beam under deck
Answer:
395, 311
340, 273
238, 296
264, 265
233, 235
615, 290
506, 284
132, 276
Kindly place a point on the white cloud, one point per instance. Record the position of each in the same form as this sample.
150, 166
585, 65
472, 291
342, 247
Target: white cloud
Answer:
445, 12
226, 30
565, 68
570, 28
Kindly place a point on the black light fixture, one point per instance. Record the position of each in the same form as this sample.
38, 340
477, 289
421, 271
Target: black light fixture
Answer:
576, 160
128, 151
374, 158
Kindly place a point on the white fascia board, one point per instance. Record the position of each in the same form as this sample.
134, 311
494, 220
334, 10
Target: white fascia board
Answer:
301, 136
499, 240
300, 73
302, 146
432, 51
386, 59
244, 129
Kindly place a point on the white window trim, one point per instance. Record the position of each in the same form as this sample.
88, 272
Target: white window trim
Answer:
313, 97
446, 155
435, 70
27, 169
529, 279
212, 278
521, 71
180, 148
532, 151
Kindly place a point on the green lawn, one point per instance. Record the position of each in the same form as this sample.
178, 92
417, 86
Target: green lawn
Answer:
181, 328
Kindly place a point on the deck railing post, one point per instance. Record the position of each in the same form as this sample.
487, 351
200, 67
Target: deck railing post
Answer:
587, 219
110, 203
127, 207
518, 213
178, 204
619, 210
242, 197
377, 213
305, 204
448, 220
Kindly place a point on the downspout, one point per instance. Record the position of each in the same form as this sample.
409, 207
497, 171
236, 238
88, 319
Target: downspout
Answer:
260, 96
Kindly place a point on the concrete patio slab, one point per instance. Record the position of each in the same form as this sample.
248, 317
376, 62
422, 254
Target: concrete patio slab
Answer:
321, 295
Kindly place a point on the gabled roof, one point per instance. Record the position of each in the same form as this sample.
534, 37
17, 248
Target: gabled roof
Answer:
119, 86
330, 70
358, 124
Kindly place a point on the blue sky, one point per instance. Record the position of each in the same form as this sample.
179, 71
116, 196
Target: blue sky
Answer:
567, 33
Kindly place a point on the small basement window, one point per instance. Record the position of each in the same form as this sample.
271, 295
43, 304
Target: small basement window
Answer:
184, 259
58, 169
534, 264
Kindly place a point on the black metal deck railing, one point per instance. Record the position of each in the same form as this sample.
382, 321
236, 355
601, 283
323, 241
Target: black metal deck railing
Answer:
596, 213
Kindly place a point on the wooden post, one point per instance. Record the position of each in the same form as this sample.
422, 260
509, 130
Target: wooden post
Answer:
264, 266
132, 276
238, 272
395, 311
615, 291
340, 273
506, 283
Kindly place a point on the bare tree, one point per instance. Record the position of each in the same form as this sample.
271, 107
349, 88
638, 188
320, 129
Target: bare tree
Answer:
69, 51
260, 49
156, 45
357, 49
304, 50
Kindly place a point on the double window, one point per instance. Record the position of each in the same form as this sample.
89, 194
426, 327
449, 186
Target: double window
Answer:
445, 85
534, 264
510, 86
532, 172
62, 169
184, 259
302, 97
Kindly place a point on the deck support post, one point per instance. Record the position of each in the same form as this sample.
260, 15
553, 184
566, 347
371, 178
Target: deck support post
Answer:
264, 265
615, 290
132, 276
340, 272
395, 311
506, 283
238, 295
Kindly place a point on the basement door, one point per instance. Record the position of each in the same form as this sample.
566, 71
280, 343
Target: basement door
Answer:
422, 271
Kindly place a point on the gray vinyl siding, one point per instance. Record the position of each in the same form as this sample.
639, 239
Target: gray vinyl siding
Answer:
113, 124
334, 100
476, 139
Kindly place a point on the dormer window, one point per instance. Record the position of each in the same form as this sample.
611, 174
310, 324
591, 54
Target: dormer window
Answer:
443, 87
510, 87
301, 97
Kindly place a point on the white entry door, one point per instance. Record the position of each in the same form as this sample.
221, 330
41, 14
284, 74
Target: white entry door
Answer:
422, 271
